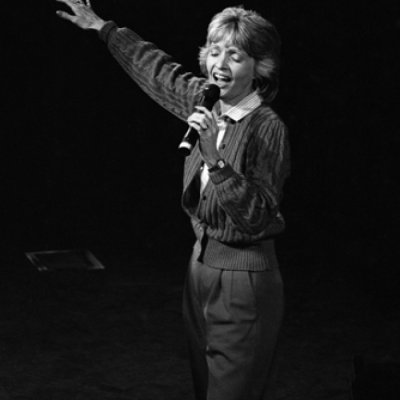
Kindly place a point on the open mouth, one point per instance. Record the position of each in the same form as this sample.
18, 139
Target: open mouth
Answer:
221, 78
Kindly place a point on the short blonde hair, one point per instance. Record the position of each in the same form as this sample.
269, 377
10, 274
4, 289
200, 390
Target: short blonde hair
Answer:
256, 36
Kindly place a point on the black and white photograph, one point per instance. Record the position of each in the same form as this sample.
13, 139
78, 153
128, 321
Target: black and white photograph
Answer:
200, 200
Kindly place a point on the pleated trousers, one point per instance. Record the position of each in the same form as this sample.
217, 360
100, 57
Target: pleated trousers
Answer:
232, 321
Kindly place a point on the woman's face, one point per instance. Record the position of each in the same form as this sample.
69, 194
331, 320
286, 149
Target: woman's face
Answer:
232, 69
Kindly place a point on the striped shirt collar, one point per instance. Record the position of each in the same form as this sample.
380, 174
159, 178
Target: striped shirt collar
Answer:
244, 107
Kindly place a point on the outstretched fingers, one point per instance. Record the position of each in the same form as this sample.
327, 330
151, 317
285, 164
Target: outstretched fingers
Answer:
81, 14
69, 3
74, 4
65, 15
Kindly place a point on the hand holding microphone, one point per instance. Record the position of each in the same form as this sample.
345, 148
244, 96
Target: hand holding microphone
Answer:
210, 97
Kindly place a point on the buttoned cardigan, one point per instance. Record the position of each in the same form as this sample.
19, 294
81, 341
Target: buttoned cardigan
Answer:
237, 215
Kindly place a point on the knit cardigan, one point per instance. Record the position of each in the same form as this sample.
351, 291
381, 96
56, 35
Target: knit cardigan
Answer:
237, 215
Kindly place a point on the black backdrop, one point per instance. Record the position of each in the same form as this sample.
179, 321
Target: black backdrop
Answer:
89, 161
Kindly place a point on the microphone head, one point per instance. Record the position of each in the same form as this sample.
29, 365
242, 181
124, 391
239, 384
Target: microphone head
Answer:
211, 95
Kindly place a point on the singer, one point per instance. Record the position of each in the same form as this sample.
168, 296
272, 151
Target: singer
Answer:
232, 189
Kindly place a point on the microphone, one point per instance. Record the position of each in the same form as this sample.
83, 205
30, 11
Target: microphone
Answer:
210, 97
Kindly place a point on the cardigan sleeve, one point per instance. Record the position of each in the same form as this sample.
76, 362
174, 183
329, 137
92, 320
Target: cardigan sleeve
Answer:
156, 73
251, 199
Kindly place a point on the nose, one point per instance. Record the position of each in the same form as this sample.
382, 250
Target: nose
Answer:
221, 61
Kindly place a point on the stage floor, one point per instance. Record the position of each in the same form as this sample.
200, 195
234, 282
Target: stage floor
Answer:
117, 333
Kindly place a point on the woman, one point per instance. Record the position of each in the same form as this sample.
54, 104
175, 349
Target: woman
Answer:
233, 180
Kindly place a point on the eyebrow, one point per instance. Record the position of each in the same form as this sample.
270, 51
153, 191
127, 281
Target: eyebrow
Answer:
230, 47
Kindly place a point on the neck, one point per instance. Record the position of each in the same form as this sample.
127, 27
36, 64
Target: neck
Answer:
226, 105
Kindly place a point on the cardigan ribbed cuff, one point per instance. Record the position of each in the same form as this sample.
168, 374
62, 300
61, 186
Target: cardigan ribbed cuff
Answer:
109, 26
105, 31
222, 174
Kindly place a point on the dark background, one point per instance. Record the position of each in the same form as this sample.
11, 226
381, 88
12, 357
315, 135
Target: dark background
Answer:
88, 161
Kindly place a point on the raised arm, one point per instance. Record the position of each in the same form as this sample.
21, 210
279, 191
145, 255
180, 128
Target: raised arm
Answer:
164, 80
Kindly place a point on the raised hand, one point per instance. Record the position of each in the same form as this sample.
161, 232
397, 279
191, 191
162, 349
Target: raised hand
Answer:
83, 15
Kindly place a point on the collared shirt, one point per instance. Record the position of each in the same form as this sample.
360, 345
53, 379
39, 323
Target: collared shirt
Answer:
235, 113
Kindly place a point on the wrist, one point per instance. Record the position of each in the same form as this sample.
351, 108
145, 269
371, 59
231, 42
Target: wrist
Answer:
98, 24
212, 159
